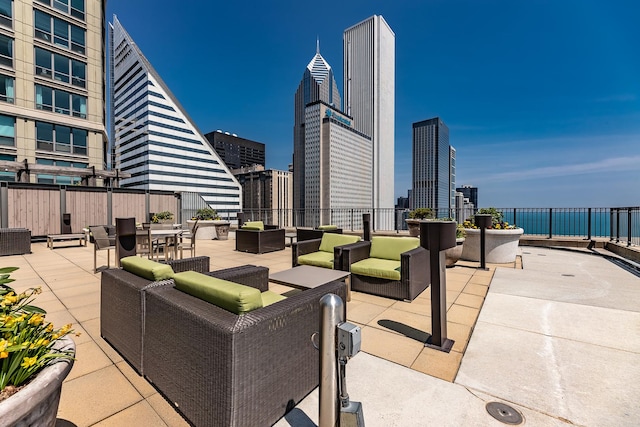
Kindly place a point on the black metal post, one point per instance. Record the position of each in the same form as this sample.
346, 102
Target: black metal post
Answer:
435, 237
515, 222
550, 223
611, 225
589, 224
483, 221
366, 225
65, 224
629, 227
618, 225
125, 238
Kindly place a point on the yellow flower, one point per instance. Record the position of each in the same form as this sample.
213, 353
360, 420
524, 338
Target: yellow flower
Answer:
36, 319
3, 344
9, 321
65, 329
29, 361
50, 327
4, 354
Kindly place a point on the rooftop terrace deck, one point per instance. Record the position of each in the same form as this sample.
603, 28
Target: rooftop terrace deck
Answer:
559, 339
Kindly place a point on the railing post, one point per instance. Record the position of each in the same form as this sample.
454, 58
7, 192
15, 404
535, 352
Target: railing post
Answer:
629, 227
515, 222
611, 224
589, 224
550, 223
618, 225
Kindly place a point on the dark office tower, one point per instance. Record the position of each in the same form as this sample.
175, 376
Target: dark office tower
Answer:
470, 193
431, 166
236, 152
318, 84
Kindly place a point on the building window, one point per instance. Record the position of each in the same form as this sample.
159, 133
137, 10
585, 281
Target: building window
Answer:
61, 139
6, 50
59, 179
6, 89
59, 32
61, 102
7, 130
74, 8
6, 14
7, 176
60, 68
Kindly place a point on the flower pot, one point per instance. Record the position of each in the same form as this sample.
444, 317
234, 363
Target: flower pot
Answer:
209, 229
414, 227
37, 403
452, 255
501, 246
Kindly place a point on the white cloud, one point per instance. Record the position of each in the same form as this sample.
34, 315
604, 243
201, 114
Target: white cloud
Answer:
614, 164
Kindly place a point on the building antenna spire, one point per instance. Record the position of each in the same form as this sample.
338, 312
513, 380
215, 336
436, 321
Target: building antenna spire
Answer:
317, 44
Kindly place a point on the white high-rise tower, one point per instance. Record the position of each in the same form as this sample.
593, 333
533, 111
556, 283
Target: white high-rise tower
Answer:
369, 95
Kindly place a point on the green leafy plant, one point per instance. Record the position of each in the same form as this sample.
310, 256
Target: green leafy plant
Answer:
496, 220
161, 216
421, 213
26, 338
206, 214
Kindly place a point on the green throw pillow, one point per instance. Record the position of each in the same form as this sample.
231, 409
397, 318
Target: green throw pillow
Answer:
391, 247
233, 297
331, 240
146, 268
253, 225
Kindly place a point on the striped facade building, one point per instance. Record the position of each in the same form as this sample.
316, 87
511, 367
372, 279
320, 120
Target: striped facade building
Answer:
154, 140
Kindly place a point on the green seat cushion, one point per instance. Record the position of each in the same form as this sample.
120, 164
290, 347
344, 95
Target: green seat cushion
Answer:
146, 268
318, 259
328, 227
269, 297
253, 225
376, 267
391, 247
234, 297
331, 240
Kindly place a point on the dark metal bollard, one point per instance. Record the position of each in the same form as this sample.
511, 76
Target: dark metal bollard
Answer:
366, 225
436, 236
483, 221
125, 238
242, 217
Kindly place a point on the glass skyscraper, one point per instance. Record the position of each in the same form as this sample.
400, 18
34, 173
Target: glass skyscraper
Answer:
432, 173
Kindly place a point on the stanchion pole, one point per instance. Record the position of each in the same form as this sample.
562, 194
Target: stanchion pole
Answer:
331, 314
483, 221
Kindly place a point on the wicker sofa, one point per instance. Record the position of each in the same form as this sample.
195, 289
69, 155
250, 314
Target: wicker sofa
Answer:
257, 241
223, 369
15, 241
412, 265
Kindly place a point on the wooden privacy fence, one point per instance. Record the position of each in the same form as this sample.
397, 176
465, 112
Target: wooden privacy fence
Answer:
39, 207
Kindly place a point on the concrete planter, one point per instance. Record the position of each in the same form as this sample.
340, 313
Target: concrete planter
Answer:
452, 255
209, 229
501, 245
37, 403
414, 227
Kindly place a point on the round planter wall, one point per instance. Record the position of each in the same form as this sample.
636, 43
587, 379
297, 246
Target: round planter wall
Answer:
414, 227
501, 246
37, 403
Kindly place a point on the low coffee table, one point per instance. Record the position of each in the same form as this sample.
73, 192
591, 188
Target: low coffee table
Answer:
309, 277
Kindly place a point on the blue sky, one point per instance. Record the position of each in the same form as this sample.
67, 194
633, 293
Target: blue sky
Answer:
542, 98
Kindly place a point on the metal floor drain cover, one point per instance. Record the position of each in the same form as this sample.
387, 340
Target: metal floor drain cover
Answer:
569, 275
504, 413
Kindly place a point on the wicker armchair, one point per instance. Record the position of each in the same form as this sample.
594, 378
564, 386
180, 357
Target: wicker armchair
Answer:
15, 241
122, 307
260, 241
307, 247
414, 273
221, 369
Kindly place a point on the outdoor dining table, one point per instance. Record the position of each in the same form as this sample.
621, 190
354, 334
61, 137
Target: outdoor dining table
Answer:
168, 235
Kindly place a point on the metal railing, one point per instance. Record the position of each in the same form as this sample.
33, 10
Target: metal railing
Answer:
617, 224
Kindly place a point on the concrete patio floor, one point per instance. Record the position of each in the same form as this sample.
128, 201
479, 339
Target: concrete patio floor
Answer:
559, 339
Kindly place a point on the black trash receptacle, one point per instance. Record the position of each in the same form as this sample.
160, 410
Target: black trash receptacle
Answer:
125, 238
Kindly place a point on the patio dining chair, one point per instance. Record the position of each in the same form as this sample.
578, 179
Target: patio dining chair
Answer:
187, 240
101, 243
